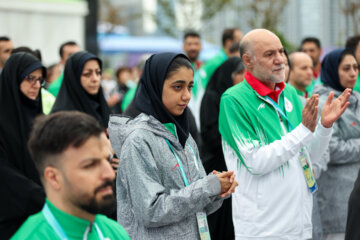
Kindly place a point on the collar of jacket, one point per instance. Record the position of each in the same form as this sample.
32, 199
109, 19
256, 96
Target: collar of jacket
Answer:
263, 90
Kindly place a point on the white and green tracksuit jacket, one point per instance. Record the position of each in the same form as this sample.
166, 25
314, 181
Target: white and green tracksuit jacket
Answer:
272, 200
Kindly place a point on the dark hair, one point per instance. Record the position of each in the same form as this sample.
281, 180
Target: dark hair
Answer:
53, 134
4, 38
178, 62
69, 43
191, 33
352, 42
35, 53
288, 59
120, 70
235, 47
313, 40
240, 67
347, 51
228, 34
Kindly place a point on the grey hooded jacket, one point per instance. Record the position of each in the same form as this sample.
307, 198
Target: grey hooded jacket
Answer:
336, 184
152, 200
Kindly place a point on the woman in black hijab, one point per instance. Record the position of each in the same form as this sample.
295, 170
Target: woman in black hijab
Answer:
20, 102
228, 74
81, 88
162, 187
221, 80
133, 112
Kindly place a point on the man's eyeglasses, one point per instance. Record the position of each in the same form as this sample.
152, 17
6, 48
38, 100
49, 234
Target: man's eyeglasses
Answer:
32, 80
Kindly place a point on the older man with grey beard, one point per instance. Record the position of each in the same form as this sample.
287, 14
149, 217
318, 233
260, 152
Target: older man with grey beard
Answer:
269, 140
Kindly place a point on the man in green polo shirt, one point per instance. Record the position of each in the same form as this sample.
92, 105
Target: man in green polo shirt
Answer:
66, 49
300, 75
71, 153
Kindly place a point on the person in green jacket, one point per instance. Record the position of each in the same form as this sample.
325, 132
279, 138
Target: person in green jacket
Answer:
312, 47
203, 75
300, 76
270, 140
66, 49
71, 153
192, 47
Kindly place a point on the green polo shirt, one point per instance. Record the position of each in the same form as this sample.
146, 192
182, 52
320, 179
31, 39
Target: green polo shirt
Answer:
357, 84
54, 87
300, 93
37, 227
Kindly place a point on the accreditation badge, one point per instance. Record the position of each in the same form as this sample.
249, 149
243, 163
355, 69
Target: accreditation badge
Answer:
288, 105
309, 176
203, 226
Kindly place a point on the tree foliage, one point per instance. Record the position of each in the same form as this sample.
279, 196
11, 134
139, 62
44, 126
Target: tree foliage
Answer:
351, 8
116, 13
194, 11
266, 13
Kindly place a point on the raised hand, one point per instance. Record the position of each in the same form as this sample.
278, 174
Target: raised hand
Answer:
332, 110
310, 111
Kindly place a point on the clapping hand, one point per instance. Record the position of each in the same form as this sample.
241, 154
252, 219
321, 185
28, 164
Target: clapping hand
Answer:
310, 112
332, 110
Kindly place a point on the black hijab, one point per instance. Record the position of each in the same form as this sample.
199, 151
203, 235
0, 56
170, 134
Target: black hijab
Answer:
149, 93
219, 82
220, 223
329, 70
72, 96
21, 190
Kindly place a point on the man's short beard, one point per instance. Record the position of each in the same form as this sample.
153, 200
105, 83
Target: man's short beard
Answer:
277, 80
315, 62
193, 57
107, 207
259, 75
272, 78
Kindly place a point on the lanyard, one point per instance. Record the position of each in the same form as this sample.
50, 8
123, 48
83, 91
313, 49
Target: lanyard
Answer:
309, 177
278, 109
194, 156
182, 171
50, 218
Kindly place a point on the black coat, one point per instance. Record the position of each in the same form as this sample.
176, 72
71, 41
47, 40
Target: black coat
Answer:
21, 191
220, 81
220, 222
353, 218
